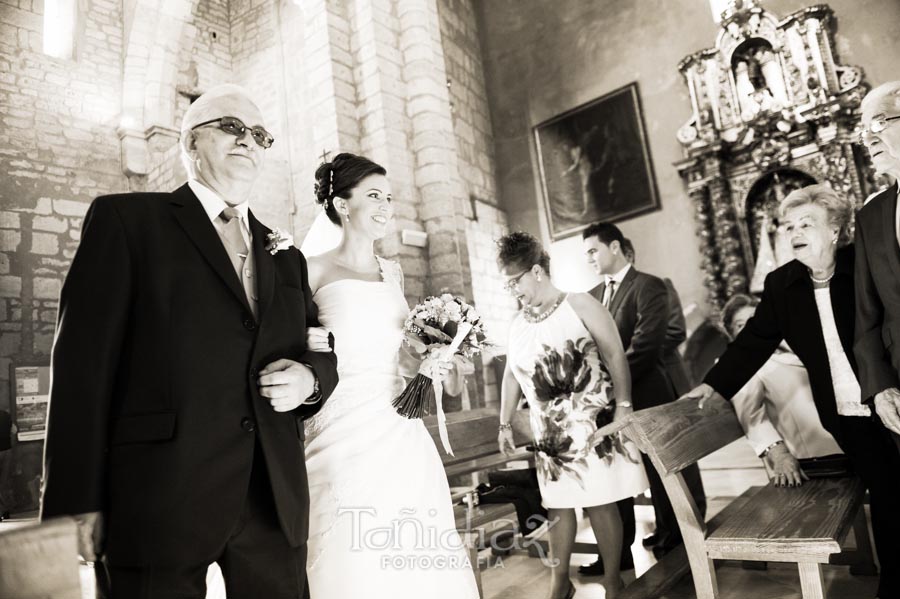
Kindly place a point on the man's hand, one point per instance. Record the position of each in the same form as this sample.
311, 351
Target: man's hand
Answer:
887, 405
786, 471
91, 535
703, 392
286, 384
506, 442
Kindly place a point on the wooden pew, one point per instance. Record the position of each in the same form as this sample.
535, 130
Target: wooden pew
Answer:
473, 437
40, 561
805, 525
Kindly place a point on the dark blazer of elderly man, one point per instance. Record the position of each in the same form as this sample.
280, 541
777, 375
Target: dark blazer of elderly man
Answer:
181, 378
877, 341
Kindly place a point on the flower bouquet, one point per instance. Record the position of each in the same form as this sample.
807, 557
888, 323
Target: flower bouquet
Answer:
440, 329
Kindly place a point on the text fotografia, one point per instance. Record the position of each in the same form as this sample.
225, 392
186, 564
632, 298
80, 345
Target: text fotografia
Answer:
409, 542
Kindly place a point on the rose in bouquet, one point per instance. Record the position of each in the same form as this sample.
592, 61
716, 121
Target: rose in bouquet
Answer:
440, 329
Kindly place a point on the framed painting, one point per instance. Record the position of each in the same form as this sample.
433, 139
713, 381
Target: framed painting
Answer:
595, 163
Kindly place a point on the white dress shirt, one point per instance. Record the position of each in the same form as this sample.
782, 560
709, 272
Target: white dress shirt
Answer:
213, 205
617, 279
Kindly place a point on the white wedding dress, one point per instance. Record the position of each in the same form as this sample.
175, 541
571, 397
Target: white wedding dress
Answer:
381, 521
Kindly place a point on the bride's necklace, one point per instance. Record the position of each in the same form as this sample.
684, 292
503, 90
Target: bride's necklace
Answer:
532, 317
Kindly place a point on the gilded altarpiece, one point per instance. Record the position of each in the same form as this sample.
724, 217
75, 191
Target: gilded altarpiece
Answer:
772, 110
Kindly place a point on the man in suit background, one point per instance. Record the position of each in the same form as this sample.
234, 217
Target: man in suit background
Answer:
676, 333
181, 378
877, 273
639, 303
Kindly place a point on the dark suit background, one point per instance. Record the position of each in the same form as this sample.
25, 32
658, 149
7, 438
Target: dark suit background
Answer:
155, 414
676, 333
877, 339
640, 308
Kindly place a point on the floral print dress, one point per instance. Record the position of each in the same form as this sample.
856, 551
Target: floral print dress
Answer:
568, 388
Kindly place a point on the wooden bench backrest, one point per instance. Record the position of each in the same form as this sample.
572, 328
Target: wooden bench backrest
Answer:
40, 561
678, 434
473, 433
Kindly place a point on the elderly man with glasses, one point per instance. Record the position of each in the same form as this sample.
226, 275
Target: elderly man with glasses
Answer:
181, 378
877, 340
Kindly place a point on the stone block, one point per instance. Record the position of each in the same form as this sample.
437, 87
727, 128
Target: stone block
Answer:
9, 220
47, 288
43, 343
44, 244
9, 240
10, 344
70, 208
50, 223
48, 316
4, 264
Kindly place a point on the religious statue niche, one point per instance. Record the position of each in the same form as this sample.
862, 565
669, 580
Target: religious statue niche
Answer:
771, 110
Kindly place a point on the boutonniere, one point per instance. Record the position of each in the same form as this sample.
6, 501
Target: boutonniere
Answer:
278, 240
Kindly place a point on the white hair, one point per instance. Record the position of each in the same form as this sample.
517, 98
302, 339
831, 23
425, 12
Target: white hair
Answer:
204, 109
884, 98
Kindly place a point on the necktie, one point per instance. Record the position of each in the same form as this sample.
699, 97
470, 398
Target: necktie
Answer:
609, 292
239, 253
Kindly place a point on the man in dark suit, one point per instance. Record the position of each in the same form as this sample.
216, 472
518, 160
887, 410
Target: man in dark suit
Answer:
676, 333
640, 306
877, 276
181, 378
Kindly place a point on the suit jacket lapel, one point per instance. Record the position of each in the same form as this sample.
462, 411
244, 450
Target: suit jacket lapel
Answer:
193, 219
889, 230
619, 295
265, 267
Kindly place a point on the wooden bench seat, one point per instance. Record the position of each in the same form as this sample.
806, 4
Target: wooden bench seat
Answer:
473, 437
806, 525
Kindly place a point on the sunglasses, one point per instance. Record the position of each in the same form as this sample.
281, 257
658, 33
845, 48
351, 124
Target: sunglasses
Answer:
876, 126
234, 126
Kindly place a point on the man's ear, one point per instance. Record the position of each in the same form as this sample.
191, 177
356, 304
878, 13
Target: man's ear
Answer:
189, 141
615, 246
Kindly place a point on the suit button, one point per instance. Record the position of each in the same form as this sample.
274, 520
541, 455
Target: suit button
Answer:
249, 324
248, 425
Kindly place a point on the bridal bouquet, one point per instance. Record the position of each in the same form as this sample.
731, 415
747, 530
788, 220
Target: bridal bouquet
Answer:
440, 329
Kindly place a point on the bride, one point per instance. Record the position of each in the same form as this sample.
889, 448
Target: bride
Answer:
381, 521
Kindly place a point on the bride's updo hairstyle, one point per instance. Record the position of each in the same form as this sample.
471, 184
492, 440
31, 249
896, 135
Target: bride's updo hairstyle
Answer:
336, 179
522, 250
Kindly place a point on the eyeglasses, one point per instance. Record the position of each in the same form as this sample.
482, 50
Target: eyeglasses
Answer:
877, 125
234, 126
513, 283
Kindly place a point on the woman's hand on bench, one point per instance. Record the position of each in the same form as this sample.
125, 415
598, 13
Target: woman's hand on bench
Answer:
786, 471
704, 393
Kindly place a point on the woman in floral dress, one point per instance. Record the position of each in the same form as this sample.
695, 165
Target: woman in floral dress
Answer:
566, 356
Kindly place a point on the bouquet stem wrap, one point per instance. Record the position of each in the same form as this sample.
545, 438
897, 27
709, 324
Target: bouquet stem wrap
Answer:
414, 400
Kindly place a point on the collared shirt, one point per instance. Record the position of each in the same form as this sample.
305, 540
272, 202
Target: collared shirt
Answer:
618, 278
213, 205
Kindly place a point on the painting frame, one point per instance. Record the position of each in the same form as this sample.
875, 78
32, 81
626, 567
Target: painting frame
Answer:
594, 163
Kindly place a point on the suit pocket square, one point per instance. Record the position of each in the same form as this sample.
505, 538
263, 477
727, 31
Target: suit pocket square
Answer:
144, 428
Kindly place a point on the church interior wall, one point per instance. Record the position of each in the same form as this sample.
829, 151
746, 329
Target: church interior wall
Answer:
542, 59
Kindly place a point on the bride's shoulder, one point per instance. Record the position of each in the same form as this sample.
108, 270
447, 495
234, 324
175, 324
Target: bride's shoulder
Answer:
317, 268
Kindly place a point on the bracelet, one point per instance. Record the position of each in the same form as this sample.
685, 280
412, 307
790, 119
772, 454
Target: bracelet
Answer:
504, 426
770, 448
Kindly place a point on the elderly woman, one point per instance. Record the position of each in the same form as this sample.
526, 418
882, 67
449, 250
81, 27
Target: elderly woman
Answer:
776, 407
565, 354
809, 303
